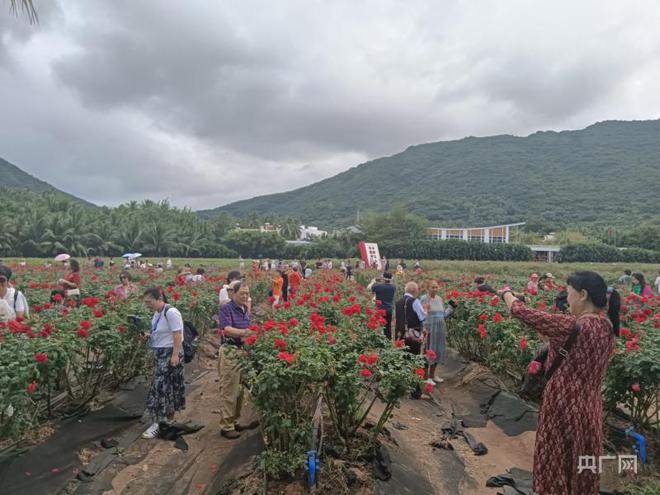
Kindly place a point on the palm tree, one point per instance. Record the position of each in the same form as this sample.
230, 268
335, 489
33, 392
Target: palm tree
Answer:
252, 221
24, 6
130, 236
195, 244
290, 228
161, 239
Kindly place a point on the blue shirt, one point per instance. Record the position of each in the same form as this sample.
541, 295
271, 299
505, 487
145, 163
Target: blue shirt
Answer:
233, 315
384, 294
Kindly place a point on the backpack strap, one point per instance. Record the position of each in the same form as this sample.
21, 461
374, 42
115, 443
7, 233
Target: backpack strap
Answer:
15, 298
563, 352
167, 308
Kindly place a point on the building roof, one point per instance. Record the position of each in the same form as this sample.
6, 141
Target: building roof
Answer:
542, 248
477, 228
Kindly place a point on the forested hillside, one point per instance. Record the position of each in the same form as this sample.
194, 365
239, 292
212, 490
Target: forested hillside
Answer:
608, 173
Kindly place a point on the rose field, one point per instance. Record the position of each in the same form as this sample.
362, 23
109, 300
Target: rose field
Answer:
319, 370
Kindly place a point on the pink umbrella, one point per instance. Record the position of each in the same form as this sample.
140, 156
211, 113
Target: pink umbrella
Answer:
62, 257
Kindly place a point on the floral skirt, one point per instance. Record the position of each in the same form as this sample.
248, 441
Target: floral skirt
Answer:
167, 393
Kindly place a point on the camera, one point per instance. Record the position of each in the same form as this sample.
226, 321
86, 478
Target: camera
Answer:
137, 322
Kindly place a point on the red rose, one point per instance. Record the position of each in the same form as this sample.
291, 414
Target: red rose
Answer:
494, 301
32, 386
86, 324
331, 339
420, 372
83, 333
497, 317
121, 328
280, 343
176, 296
483, 317
481, 328
362, 358
372, 359
365, 372
286, 357
523, 343
293, 322
400, 343
431, 355
635, 387
250, 339
428, 387
534, 367
41, 357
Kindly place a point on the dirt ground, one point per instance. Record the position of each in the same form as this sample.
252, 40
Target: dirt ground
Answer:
150, 467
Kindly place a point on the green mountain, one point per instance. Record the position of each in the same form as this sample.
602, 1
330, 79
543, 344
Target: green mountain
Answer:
607, 173
13, 177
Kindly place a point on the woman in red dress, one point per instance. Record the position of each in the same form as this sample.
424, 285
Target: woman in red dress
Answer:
571, 417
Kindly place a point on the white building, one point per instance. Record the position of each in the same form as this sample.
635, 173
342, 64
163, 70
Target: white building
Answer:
309, 232
494, 234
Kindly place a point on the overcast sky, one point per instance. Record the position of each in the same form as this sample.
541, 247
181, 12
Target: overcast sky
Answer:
207, 102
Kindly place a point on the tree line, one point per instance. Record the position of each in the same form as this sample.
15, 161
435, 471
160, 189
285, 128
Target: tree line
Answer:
47, 223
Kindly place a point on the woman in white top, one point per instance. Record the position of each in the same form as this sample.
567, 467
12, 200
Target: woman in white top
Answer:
167, 393
435, 323
12, 301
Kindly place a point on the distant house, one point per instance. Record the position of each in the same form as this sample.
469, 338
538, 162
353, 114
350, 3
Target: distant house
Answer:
545, 253
267, 227
309, 232
488, 235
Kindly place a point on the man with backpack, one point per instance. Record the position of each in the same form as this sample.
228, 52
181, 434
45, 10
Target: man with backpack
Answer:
13, 303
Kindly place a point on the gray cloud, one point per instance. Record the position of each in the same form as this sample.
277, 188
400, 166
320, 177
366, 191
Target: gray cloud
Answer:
217, 101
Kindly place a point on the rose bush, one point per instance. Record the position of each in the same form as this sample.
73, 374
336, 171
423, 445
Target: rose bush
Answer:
327, 343
70, 352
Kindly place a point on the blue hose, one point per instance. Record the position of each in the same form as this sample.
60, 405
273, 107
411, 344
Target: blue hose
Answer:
312, 466
640, 447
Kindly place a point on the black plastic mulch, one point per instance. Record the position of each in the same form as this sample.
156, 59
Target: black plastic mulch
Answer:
46, 468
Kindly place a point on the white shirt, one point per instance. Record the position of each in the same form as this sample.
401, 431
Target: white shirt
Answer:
308, 272
163, 327
657, 285
6, 313
21, 303
224, 295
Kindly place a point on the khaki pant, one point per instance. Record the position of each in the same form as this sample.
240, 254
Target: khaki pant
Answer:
231, 390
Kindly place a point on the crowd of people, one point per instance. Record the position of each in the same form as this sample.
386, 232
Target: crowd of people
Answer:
586, 314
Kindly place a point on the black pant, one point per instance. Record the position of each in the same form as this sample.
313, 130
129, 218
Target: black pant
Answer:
387, 330
415, 347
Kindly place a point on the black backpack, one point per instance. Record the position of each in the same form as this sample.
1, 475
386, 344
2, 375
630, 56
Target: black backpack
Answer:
190, 339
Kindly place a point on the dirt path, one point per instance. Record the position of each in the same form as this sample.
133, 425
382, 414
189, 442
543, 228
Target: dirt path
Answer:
157, 467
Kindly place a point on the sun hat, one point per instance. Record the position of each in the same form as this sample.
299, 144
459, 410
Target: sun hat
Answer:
549, 275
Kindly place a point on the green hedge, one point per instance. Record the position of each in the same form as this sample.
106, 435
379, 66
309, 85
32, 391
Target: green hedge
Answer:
606, 254
454, 250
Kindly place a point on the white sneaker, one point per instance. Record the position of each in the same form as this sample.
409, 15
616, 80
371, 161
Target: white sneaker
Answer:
437, 379
151, 432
